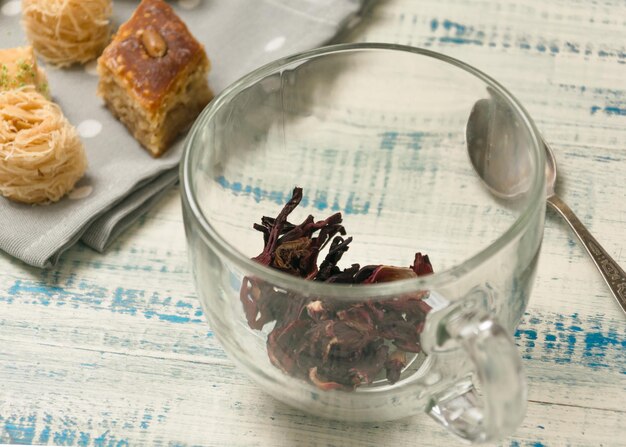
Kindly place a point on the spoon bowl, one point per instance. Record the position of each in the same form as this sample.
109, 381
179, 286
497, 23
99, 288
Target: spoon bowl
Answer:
495, 147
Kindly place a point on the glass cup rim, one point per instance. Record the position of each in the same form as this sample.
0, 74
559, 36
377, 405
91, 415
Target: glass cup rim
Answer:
354, 291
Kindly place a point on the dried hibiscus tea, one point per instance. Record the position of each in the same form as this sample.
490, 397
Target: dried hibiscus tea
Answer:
333, 345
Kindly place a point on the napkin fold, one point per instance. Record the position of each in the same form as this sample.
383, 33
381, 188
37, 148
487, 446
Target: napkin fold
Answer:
123, 181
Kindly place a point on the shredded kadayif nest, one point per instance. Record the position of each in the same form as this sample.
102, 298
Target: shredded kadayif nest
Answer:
41, 155
64, 32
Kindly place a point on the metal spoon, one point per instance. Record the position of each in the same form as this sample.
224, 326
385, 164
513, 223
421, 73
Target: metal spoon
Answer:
496, 144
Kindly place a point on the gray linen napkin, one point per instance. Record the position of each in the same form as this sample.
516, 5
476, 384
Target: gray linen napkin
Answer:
123, 181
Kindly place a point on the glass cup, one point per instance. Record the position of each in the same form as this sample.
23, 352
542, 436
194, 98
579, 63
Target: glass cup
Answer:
378, 133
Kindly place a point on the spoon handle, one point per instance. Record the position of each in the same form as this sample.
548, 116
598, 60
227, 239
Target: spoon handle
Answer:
610, 271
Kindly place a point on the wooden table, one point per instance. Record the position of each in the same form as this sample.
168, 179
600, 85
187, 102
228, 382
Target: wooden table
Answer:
113, 350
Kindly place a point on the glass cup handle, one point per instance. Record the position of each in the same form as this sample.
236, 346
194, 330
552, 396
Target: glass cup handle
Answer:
498, 406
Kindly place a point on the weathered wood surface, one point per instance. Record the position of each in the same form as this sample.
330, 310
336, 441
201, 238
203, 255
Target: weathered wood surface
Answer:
113, 350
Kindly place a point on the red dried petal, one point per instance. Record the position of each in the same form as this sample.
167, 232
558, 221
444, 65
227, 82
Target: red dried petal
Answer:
367, 368
266, 256
322, 384
317, 311
421, 265
403, 334
394, 365
411, 304
357, 317
387, 273
283, 345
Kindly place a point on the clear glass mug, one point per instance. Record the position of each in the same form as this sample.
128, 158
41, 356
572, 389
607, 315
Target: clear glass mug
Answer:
376, 132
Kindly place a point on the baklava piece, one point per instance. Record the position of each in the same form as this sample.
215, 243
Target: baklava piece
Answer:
18, 68
153, 76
